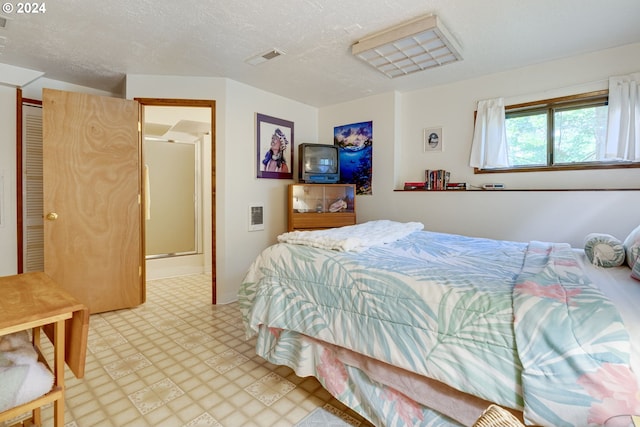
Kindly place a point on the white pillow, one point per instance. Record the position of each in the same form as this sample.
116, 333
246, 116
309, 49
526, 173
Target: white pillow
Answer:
604, 250
632, 246
635, 270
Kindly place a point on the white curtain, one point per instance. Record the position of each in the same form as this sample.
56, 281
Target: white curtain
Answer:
623, 125
489, 147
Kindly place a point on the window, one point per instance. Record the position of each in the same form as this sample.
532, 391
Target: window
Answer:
558, 134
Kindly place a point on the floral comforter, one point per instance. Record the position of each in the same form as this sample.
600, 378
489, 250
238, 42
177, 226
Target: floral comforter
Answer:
514, 323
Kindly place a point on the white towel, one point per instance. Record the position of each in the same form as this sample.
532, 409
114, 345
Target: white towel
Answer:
22, 377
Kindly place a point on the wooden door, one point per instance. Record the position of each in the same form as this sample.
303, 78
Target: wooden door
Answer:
92, 202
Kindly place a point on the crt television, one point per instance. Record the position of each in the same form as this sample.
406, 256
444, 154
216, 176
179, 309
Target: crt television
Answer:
318, 163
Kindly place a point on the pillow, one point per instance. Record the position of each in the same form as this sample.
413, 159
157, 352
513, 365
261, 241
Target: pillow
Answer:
635, 270
632, 246
604, 250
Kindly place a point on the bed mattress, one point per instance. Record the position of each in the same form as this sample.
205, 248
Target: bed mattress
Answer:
519, 324
624, 291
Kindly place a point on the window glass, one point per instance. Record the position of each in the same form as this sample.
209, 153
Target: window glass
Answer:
556, 134
527, 139
578, 132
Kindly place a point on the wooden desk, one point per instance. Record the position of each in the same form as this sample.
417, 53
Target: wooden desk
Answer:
32, 301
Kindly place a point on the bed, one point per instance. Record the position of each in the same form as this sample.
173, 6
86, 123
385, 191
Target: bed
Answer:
411, 327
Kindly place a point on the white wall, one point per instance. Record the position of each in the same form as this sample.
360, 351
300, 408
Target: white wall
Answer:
34, 89
236, 184
398, 123
242, 186
452, 107
382, 110
8, 236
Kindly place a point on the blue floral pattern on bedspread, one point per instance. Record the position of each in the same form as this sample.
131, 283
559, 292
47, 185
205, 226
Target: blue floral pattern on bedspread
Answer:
443, 306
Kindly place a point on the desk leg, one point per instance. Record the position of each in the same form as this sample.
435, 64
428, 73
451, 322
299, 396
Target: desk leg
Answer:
36, 414
58, 372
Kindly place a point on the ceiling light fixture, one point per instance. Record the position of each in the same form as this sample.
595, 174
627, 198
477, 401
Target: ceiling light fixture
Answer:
264, 57
413, 46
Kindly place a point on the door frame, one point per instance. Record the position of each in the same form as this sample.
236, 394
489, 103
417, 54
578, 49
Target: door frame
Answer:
20, 101
142, 102
172, 102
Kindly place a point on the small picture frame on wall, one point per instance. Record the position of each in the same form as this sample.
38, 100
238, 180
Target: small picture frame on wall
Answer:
275, 147
432, 139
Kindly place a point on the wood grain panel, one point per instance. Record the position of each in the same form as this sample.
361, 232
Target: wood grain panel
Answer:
92, 175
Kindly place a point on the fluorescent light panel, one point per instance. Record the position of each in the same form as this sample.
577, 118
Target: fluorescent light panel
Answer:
414, 46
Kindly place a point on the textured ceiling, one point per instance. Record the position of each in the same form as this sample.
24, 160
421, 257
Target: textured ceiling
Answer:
96, 43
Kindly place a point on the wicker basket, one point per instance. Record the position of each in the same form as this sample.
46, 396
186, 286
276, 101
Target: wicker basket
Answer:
495, 416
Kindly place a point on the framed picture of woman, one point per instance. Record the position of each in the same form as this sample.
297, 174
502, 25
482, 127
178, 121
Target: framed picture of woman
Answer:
275, 147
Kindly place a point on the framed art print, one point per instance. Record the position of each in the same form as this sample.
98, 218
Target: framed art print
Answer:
355, 142
274, 139
432, 139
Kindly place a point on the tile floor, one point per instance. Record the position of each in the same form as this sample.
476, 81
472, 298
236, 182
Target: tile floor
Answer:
178, 361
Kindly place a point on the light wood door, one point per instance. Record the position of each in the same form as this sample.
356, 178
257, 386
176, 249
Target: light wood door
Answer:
92, 201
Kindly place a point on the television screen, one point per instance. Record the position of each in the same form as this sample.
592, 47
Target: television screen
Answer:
321, 160
319, 163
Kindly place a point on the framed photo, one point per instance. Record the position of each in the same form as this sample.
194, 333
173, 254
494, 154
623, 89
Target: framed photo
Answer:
275, 147
432, 139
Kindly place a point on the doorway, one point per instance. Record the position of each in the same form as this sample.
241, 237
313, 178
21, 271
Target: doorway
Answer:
208, 202
179, 145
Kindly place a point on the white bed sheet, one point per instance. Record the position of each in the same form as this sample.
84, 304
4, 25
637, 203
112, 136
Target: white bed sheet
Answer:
616, 283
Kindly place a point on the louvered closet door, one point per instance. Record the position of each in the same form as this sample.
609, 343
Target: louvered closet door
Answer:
32, 189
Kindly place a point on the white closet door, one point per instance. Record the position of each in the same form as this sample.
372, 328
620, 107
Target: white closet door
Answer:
32, 189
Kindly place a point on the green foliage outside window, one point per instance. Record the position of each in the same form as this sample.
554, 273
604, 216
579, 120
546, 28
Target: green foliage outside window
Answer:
576, 132
527, 139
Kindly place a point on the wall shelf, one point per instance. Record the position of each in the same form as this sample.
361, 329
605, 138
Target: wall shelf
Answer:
517, 189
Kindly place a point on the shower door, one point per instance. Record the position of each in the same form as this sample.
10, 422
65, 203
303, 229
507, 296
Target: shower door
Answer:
172, 203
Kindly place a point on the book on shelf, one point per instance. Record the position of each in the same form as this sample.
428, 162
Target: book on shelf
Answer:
456, 186
436, 179
414, 185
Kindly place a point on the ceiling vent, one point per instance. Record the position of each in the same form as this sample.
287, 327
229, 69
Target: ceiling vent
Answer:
413, 46
264, 57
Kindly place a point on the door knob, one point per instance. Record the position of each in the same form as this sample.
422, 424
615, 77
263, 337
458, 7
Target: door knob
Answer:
52, 216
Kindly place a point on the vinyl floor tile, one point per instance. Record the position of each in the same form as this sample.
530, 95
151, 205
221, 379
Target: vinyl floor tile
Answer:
177, 360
